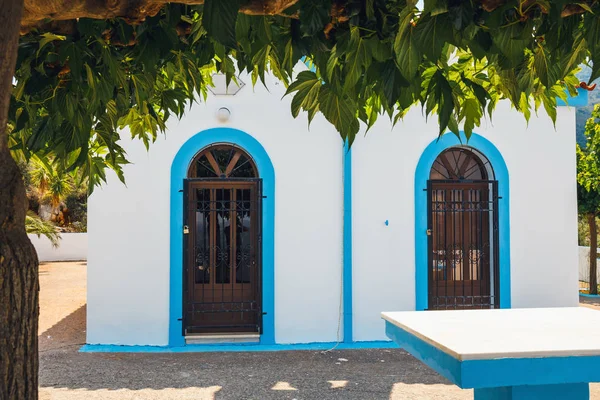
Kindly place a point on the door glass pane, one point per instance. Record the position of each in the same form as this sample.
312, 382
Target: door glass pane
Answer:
204, 169
223, 156
223, 238
243, 168
244, 230
202, 235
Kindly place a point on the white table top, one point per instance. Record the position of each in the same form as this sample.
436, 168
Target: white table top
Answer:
506, 333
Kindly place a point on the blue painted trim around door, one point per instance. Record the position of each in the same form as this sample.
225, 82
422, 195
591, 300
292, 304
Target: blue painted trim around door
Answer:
422, 175
347, 262
178, 173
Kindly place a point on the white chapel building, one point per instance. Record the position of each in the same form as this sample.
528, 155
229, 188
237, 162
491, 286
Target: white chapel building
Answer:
244, 226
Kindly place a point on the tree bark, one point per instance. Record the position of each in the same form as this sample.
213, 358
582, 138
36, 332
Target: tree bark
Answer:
18, 261
593, 253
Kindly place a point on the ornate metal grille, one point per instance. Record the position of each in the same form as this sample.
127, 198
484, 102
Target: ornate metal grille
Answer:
463, 244
463, 233
222, 274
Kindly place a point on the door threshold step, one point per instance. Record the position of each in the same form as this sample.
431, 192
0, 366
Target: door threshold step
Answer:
216, 338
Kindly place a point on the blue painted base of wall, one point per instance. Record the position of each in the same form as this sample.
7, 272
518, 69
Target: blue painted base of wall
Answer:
235, 347
571, 391
594, 296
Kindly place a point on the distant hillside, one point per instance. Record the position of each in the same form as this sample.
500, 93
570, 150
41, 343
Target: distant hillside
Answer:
583, 113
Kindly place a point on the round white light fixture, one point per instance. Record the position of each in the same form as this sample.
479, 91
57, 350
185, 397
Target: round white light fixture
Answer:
223, 114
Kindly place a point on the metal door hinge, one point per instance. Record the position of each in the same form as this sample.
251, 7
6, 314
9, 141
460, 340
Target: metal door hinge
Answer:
186, 229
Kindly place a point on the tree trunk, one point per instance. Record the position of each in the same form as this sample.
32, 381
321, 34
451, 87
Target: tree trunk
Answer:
593, 253
18, 261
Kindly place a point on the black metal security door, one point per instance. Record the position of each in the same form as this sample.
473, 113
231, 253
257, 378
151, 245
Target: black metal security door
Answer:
463, 244
222, 274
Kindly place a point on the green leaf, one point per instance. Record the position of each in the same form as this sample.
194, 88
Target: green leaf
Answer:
471, 112
453, 126
542, 67
431, 34
478, 90
380, 49
48, 37
440, 93
592, 28
340, 111
307, 85
314, 15
260, 61
357, 59
578, 54
549, 102
585, 6
524, 106
219, 19
90, 77
435, 7
408, 55
332, 63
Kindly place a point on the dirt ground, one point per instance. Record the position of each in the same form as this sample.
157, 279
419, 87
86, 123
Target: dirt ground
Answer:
66, 374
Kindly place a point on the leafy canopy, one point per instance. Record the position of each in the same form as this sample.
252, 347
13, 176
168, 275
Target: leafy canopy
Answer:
588, 167
78, 84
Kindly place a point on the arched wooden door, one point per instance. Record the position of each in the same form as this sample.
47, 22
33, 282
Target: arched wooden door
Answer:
222, 235
463, 232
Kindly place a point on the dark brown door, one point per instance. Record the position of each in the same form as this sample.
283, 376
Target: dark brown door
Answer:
222, 274
462, 247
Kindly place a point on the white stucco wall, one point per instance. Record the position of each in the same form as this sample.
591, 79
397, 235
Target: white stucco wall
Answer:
543, 212
128, 276
584, 264
128, 262
72, 247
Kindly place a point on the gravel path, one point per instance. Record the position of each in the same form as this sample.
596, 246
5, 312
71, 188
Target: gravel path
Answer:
66, 374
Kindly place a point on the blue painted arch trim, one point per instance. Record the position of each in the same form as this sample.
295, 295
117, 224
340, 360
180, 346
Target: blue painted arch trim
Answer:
179, 170
422, 175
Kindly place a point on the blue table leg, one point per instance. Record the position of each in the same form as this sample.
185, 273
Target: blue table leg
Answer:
570, 391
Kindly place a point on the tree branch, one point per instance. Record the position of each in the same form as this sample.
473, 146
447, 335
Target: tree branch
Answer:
39, 13
568, 10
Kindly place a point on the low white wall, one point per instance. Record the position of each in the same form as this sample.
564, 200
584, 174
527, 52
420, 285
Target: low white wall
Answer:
584, 264
73, 247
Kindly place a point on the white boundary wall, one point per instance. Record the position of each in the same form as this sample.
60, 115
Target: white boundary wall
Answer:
73, 247
584, 269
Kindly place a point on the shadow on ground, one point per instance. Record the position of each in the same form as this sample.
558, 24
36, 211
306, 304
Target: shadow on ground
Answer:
68, 332
367, 374
66, 374
350, 374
